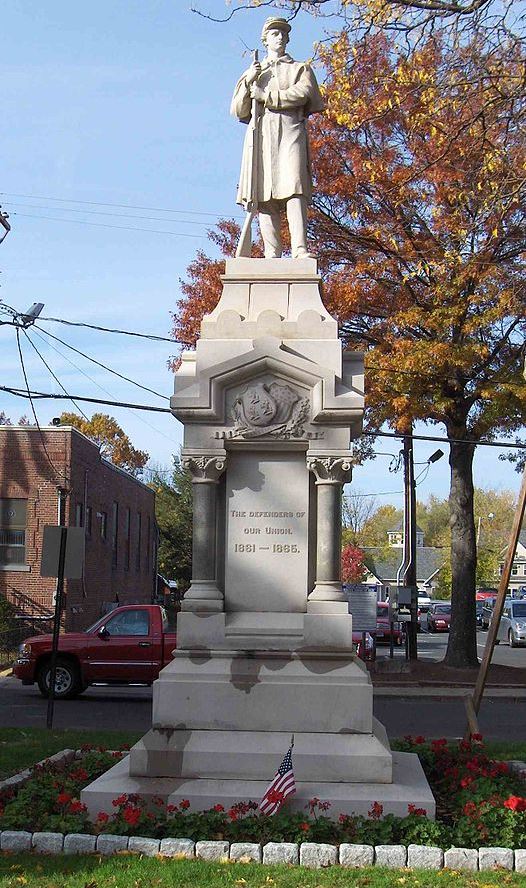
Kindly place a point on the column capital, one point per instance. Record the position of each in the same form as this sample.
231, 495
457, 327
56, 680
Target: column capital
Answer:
330, 468
204, 467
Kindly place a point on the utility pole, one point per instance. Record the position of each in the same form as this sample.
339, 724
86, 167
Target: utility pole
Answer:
410, 540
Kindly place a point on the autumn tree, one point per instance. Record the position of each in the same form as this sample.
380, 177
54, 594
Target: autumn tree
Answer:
357, 510
113, 442
353, 568
418, 221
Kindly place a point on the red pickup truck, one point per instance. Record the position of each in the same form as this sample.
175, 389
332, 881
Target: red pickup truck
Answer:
130, 644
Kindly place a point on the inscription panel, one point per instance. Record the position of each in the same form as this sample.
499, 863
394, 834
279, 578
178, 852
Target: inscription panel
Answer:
266, 532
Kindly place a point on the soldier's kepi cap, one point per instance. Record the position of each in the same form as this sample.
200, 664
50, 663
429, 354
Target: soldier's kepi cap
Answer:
275, 22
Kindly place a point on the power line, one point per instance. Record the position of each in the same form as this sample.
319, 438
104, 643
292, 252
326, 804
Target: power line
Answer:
20, 393
99, 364
95, 203
105, 213
112, 330
29, 396
44, 395
55, 377
106, 225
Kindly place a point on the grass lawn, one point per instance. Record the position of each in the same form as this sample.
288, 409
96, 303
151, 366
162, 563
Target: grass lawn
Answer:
22, 747
129, 871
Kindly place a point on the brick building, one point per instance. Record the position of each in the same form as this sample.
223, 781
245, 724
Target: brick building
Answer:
57, 476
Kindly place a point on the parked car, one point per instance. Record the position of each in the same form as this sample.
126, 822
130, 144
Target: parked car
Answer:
487, 612
129, 645
424, 603
439, 617
478, 612
486, 592
383, 626
512, 627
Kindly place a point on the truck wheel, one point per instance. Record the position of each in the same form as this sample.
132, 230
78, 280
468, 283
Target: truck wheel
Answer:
67, 679
511, 640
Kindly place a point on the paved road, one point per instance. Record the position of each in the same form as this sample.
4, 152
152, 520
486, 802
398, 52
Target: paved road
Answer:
130, 709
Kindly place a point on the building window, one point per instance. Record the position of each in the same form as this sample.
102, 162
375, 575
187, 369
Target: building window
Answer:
139, 543
103, 525
79, 515
515, 570
13, 516
88, 520
127, 539
114, 533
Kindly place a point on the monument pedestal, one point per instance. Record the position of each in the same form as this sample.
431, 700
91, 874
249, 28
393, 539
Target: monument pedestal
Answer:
264, 640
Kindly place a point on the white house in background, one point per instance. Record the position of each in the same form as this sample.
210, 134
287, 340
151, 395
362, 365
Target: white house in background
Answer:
383, 562
518, 569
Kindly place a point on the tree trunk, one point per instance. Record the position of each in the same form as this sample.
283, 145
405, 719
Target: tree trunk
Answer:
462, 645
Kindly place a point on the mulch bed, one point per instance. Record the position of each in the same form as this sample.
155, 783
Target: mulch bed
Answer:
387, 673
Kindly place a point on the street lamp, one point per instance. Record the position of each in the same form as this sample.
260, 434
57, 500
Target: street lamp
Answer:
4, 222
490, 516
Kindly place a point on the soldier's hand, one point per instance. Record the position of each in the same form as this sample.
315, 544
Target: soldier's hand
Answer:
257, 93
253, 73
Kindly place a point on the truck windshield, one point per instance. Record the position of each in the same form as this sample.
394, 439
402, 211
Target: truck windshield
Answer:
519, 609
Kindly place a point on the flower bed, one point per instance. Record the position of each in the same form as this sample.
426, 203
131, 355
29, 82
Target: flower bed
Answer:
479, 802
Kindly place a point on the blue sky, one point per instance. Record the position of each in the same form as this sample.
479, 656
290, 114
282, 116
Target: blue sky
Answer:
126, 103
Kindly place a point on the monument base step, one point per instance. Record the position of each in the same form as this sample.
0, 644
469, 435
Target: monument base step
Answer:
253, 755
409, 787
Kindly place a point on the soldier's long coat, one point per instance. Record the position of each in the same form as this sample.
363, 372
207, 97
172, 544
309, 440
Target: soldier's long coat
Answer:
292, 93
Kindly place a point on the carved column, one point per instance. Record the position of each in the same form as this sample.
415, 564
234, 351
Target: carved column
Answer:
331, 472
204, 594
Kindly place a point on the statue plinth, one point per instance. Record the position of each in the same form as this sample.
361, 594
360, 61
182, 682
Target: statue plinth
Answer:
270, 405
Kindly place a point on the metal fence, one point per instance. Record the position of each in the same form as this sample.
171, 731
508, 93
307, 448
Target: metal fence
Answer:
10, 639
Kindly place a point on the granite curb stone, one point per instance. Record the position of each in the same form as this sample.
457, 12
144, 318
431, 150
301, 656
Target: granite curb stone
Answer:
492, 858
212, 850
281, 852
461, 859
520, 861
244, 852
177, 848
392, 856
316, 855
308, 854
356, 855
11, 840
145, 846
425, 857
79, 843
47, 842
108, 844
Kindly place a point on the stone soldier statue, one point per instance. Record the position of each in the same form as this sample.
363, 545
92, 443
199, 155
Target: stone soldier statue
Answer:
286, 92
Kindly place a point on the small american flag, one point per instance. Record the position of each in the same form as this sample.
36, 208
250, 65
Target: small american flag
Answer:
282, 786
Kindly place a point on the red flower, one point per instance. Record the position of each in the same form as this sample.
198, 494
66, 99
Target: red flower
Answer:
77, 807
420, 739
131, 815
466, 781
64, 797
120, 800
477, 738
438, 745
469, 809
515, 803
419, 812
218, 808
184, 804
171, 809
102, 817
305, 827
273, 795
376, 811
